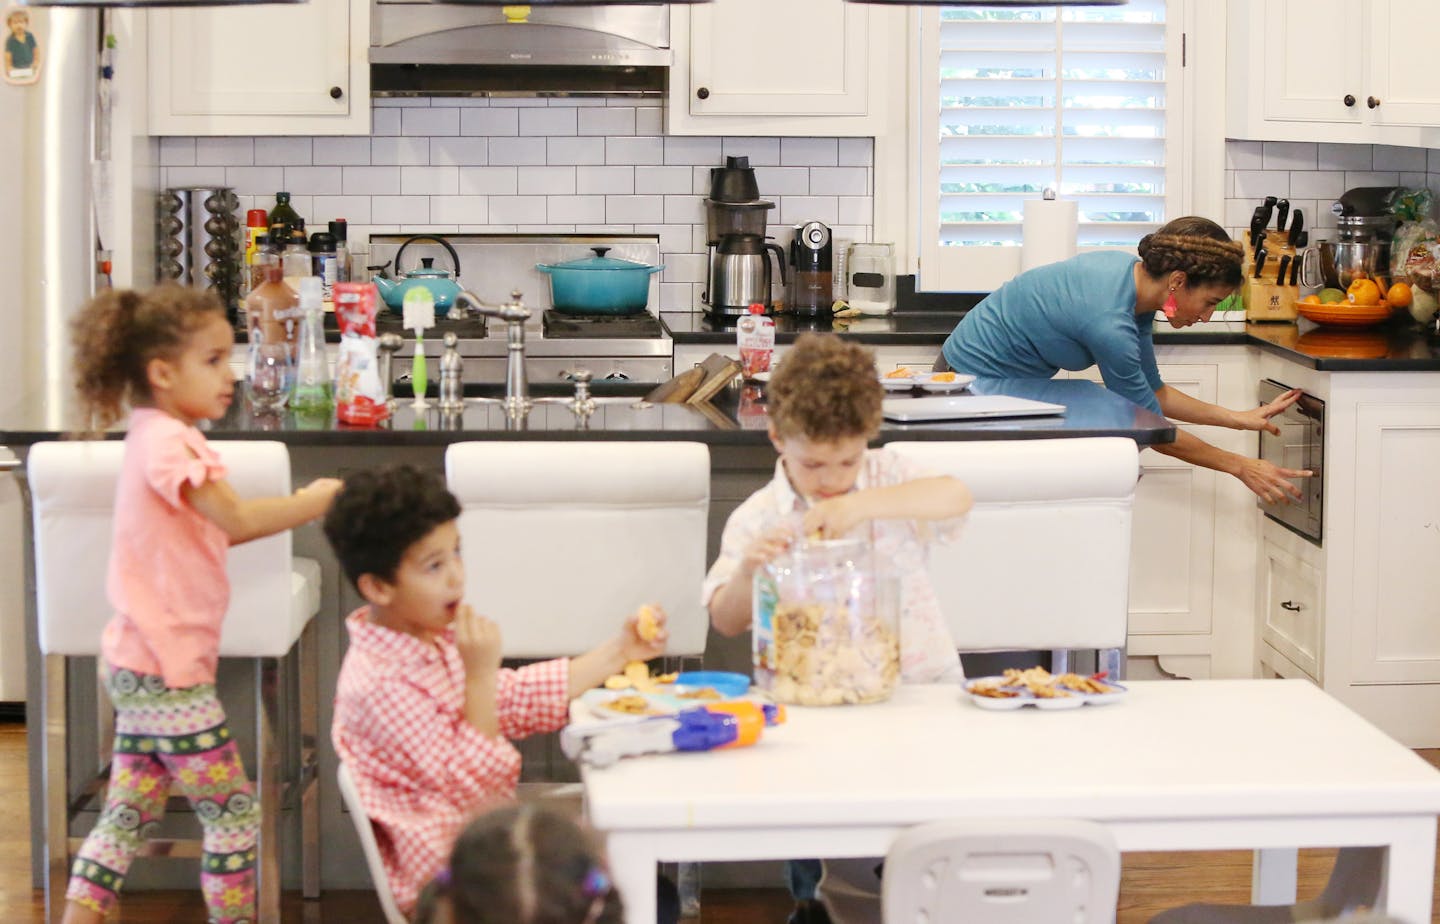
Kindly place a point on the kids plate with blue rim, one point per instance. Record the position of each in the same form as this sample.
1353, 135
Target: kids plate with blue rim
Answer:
1018, 697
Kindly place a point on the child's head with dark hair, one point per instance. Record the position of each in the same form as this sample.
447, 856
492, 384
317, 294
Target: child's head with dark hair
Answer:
119, 334
522, 865
388, 518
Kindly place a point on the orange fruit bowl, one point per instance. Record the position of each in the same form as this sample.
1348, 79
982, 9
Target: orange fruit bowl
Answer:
1344, 314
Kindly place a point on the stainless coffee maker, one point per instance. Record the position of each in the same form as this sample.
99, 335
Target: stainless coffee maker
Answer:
1364, 228
734, 209
740, 273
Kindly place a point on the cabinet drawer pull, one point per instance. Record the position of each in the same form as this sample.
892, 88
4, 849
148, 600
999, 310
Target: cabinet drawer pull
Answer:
336, 92
703, 93
1291, 606
1349, 100
1373, 102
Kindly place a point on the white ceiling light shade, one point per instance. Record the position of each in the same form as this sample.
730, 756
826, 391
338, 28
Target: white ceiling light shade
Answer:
995, 3
54, 4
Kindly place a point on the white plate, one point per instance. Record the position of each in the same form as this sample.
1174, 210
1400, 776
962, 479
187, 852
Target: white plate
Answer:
662, 702
1074, 701
928, 383
900, 383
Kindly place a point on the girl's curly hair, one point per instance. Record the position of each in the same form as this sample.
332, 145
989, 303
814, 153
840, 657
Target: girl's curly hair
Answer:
118, 332
826, 389
1196, 246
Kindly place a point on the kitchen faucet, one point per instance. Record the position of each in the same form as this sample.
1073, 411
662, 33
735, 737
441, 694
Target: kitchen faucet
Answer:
514, 314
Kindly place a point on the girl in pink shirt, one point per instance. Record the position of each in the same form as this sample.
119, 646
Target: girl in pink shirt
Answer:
166, 354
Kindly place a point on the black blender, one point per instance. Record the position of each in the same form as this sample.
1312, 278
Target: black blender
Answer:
811, 257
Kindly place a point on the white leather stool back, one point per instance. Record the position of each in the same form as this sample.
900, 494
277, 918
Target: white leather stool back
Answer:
73, 487
563, 539
1044, 561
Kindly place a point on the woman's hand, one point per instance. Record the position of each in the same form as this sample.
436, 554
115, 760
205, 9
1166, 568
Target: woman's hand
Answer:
1269, 481
478, 640
1259, 418
836, 516
645, 634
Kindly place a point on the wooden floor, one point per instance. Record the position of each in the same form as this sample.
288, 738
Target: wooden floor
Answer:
1150, 883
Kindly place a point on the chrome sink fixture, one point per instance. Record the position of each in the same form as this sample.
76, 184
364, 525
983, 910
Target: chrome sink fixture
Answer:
514, 314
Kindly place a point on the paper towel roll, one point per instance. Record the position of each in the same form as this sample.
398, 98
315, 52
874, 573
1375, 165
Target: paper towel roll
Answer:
1049, 232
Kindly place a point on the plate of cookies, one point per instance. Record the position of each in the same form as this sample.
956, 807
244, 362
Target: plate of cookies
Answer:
1039, 688
636, 693
906, 378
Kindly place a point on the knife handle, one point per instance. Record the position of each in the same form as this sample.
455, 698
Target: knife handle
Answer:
1282, 212
1280, 273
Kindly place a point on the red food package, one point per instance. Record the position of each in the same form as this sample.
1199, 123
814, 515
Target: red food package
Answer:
359, 393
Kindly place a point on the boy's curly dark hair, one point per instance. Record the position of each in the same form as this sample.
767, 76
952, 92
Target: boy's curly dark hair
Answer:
1195, 245
381, 512
825, 389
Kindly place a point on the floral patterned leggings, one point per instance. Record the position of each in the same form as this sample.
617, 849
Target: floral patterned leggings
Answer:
163, 737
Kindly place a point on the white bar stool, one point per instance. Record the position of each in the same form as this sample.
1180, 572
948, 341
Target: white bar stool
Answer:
1044, 559
273, 600
562, 540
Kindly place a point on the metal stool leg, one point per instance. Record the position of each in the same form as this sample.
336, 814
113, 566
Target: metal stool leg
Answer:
1060, 661
57, 788
267, 786
307, 775
1112, 660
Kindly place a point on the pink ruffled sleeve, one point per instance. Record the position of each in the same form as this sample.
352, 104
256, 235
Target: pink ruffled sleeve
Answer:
179, 455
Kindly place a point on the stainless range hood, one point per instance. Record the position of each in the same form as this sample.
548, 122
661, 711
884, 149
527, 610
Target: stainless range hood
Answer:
419, 48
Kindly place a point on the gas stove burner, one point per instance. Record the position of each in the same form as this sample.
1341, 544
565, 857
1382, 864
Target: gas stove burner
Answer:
560, 326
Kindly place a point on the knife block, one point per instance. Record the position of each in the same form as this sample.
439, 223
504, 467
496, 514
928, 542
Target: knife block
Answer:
1265, 299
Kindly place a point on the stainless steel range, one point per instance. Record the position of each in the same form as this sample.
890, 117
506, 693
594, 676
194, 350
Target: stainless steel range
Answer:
631, 348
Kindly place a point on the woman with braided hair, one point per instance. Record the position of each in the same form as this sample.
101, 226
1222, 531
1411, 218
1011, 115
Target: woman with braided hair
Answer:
1098, 309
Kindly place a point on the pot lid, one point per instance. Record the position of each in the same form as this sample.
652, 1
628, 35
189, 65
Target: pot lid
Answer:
598, 262
427, 270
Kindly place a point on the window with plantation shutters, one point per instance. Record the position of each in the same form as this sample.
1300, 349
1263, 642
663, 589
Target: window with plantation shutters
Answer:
1017, 100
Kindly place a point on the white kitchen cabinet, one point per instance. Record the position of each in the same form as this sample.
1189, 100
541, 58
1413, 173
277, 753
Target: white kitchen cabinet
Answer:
1356, 71
804, 67
1291, 603
293, 69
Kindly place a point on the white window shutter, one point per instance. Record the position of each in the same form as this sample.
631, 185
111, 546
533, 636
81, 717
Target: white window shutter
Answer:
1082, 100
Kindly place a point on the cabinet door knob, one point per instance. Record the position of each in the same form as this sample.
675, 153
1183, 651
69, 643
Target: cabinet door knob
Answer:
703, 93
1291, 606
1349, 100
336, 92
1373, 102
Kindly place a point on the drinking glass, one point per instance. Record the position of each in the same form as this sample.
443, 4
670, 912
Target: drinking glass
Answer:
270, 377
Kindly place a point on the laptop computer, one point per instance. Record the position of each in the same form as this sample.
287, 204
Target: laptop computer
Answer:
965, 407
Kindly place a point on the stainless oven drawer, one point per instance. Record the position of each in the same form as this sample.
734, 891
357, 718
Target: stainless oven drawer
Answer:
1300, 445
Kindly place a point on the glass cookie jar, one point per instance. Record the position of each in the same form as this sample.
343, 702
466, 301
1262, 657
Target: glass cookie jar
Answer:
826, 629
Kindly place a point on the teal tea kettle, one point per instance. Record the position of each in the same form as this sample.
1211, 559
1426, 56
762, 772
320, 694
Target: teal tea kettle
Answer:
442, 284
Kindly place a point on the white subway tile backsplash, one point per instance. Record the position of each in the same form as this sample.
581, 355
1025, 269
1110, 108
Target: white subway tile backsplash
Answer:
1414, 180
354, 209
548, 121
517, 209
1316, 184
582, 228
230, 152
256, 181
459, 152
401, 210
384, 122
679, 209
673, 238
313, 181
1345, 156
575, 209
489, 181
545, 228
635, 209
177, 152
809, 152
340, 151
1238, 212
635, 151
856, 152
1433, 161
429, 181
763, 152
369, 181
1370, 178
1391, 157
304, 205
783, 181
399, 151
680, 150
855, 210
1243, 155
684, 267
607, 121
1288, 155
584, 102
548, 181
517, 151
795, 209
518, 102
677, 296
700, 180
615, 181
490, 122
575, 150
198, 176
282, 152
839, 181
462, 210
1257, 184
649, 121
663, 180
427, 122
469, 102
398, 102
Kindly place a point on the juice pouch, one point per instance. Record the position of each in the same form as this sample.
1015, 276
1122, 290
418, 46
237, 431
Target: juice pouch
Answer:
755, 338
359, 393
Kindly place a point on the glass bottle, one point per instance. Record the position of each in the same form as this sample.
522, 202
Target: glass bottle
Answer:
270, 316
340, 230
312, 394
296, 259
284, 215
826, 629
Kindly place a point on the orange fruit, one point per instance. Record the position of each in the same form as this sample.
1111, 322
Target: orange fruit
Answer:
1399, 296
1363, 292
1311, 300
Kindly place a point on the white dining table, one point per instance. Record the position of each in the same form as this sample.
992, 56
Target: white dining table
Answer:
1268, 765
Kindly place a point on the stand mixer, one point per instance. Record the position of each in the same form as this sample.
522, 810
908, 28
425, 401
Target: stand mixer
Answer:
1364, 228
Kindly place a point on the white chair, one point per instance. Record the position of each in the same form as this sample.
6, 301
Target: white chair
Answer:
1354, 886
562, 539
1044, 561
273, 599
350, 797
1002, 871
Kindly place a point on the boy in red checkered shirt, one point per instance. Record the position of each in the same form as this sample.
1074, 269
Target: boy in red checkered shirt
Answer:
423, 710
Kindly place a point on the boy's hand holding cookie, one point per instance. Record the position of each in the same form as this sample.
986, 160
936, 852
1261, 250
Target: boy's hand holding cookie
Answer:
478, 640
836, 516
645, 634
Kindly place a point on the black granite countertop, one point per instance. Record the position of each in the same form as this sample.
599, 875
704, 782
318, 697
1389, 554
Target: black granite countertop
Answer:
1400, 346
737, 417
